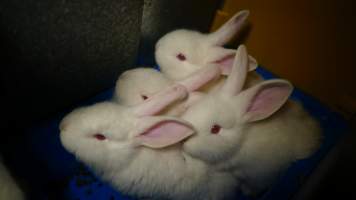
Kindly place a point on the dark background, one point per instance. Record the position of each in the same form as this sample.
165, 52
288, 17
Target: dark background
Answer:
56, 53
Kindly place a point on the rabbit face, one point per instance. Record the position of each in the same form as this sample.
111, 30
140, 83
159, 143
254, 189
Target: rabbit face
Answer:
220, 118
183, 52
106, 135
95, 133
136, 85
218, 134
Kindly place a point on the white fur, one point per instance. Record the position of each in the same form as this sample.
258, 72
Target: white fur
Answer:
135, 169
200, 50
257, 151
133, 84
8, 187
190, 43
136, 85
256, 146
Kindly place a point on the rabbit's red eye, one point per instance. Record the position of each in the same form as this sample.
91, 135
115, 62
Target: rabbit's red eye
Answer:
181, 57
99, 136
144, 97
215, 129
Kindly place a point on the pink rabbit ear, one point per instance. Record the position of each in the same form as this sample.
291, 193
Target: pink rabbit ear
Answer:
200, 78
226, 63
263, 100
224, 59
229, 29
164, 133
160, 101
236, 79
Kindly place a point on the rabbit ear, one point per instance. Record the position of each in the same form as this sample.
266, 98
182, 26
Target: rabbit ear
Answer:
200, 78
236, 79
264, 99
160, 101
229, 29
163, 132
224, 59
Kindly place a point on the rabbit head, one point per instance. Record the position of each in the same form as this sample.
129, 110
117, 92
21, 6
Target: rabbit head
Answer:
136, 85
107, 135
182, 52
220, 119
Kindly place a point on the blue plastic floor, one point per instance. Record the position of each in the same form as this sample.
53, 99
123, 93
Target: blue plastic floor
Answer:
55, 174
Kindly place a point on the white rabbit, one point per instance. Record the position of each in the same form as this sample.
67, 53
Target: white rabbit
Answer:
253, 132
8, 186
136, 85
139, 153
183, 52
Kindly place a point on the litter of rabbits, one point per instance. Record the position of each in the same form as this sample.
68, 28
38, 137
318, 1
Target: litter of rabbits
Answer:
168, 138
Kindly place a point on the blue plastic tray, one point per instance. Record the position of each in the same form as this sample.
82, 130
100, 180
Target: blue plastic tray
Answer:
55, 174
